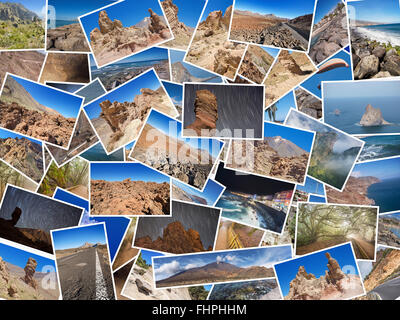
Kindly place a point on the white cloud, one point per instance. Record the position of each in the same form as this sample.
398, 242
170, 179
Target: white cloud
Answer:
167, 269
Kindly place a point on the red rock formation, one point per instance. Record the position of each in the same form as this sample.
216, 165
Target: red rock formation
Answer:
206, 110
175, 240
30, 270
129, 198
287, 61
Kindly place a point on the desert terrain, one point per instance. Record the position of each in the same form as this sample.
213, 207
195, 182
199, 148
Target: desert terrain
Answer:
255, 64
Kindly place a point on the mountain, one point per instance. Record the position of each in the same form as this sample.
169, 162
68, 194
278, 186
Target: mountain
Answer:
215, 271
16, 11
15, 92
283, 147
256, 14
181, 74
86, 245
180, 194
24, 155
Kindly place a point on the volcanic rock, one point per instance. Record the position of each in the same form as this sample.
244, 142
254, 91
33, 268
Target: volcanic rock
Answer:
287, 61
30, 270
308, 104
67, 38
129, 198
335, 273
206, 110
256, 63
367, 67
372, 117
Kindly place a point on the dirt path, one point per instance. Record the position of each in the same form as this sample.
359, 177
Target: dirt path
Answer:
363, 249
222, 240
80, 190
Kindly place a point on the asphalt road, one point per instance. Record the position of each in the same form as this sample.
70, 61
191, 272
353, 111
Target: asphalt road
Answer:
84, 276
389, 290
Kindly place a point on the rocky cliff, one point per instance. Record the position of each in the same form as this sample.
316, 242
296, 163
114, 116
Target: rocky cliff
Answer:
129, 197
206, 110
26, 64
308, 104
16, 12
332, 286
255, 64
67, 38
112, 41
175, 239
24, 155
180, 194
182, 33
355, 191
372, 117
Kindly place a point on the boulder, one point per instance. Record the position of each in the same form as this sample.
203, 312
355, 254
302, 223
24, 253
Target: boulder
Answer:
392, 65
367, 67
379, 52
143, 287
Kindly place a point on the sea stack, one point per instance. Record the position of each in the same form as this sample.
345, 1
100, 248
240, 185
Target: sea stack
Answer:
372, 117
206, 110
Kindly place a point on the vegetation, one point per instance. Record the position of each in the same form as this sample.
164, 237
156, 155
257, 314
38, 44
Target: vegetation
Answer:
319, 222
21, 35
11, 176
141, 262
72, 174
198, 293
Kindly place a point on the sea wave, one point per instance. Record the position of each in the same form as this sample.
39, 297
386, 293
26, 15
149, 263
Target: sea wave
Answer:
380, 36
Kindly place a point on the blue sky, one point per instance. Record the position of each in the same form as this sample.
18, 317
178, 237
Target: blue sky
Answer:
8, 134
283, 106
66, 104
147, 255
317, 199
315, 264
177, 56
395, 215
215, 5
288, 9
71, 10
78, 236
272, 51
211, 191
266, 256
115, 226
340, 73
37, 6
175, 91
130, 145
121, 171
129, 12
354, 89
163, 123
126, 92
381, 169
20, 257
311, 186
324, 7
385, 11
189, 11
302, 139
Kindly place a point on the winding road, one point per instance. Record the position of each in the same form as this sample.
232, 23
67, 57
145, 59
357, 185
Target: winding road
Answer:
390, 290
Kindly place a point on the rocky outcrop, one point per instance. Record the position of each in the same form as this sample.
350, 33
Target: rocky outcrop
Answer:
175, 239
26, 64
288, 62
210, 48
114, 41
333, 285
182, 33
24, 155
206, 110
372, 117
180, 194
30, 270
67, 38
329, 34
308, 104
66, 67
129, 197
355, 191
256, 63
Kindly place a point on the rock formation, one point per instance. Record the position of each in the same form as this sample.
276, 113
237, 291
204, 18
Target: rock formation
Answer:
256, 63
24, 155
372, 117
206, 110
175, 239
333, 285
66, 67
67, 38
180, 194
25, 64
129, 198
182, 33
30, 270
114, 41
308, 104
210, 48
287, 61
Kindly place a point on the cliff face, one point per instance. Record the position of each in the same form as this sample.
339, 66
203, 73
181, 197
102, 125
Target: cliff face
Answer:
113, 41
372, 117
355, 191
129, 198
67, 38
23, 155
175, 240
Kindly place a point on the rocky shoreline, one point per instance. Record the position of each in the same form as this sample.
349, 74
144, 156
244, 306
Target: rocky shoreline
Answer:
372, 59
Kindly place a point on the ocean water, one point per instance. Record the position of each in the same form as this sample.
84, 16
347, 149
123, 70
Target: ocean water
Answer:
117, 67
239, 209
383, 33
396, 231
377, 147
97, 153
386, 194
352, 110
60, 23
